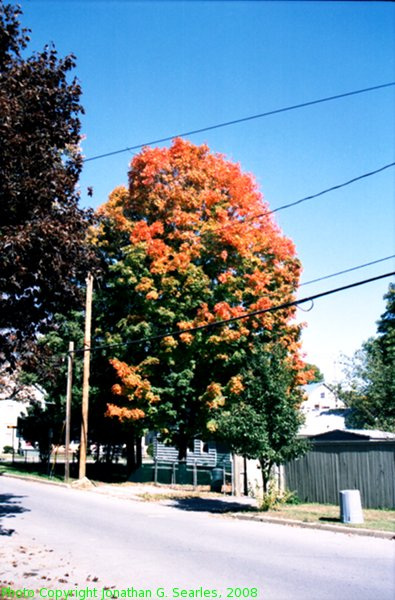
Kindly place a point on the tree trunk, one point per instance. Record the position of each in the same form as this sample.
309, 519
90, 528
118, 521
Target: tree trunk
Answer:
182, 450
266, 467
139, 458
130, 454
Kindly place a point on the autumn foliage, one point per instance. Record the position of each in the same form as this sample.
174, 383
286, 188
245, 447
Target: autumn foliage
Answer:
191, 242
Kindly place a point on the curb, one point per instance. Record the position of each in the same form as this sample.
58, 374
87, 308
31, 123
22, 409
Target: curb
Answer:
35, 479
388, 535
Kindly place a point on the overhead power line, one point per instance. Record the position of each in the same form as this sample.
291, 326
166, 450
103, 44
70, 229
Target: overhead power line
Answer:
328, 190
368, 264
247, 315
312, 196
241, 120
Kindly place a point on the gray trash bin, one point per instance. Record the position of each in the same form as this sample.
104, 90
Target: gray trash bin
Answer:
350, 506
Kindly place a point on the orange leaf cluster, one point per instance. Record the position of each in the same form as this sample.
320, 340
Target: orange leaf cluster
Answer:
124, 414
236, 385
213, 396
134, 388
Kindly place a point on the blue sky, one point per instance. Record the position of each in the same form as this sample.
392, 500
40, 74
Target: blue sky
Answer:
154, 69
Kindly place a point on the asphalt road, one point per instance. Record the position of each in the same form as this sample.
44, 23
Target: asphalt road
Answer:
148, 546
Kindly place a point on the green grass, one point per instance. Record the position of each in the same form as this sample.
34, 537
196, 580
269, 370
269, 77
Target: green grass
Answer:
383, 520
28, 470
96, 472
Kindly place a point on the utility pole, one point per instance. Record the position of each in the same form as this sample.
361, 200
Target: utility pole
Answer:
85, 384
70, 361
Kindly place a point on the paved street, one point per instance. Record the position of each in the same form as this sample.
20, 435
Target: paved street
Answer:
125, 544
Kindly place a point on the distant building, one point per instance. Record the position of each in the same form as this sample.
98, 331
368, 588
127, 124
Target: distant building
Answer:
13, 404
322, 409
210, 454
319, 396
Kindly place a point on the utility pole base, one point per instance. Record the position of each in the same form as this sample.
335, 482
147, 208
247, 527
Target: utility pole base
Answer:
83, 484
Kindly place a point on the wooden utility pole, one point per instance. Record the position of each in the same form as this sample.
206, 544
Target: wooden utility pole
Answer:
85, 384
70, 360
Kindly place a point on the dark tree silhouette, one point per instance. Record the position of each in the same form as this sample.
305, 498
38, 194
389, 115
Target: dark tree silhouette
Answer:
44, 254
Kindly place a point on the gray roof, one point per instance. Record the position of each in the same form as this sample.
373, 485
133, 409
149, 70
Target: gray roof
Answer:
349, 434
374, 434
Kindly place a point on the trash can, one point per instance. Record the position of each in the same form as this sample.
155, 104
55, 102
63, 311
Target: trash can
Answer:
217, 479
350, 506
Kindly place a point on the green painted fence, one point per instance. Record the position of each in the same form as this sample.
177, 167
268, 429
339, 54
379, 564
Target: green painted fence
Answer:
329, 467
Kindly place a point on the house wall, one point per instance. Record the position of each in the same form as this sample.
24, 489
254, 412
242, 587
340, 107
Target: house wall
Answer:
329, 467
210, 454
10, 410
14, 400
319, 397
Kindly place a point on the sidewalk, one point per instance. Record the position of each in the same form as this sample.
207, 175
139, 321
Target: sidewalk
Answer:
227, 506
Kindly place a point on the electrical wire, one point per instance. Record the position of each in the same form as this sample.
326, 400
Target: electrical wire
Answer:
242, 120
307, 309
364, 265
368, 264
328, 190
312, 196
247, 315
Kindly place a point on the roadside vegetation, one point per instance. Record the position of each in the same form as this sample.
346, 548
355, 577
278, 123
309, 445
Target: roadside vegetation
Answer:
96, 472
28, 470
381, 519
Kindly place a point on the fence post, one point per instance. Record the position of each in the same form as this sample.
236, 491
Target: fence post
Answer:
232, 479
194, 474
155, 470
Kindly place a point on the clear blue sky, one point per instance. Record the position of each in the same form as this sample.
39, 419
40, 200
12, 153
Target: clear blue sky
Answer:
154, 69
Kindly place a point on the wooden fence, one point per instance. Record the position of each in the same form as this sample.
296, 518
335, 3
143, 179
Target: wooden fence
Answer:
368, 466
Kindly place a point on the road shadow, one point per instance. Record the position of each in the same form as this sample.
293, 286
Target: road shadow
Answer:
211, 505
9, 507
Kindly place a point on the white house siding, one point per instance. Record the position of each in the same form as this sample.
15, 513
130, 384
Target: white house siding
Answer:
320, 397
10, 410
13, 403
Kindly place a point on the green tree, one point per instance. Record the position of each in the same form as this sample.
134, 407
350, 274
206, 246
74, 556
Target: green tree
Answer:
50, 370
263, 421
44, 253
44, 424
369, 390
386, 327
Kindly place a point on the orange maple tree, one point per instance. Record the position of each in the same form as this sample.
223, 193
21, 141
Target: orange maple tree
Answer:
191, 242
